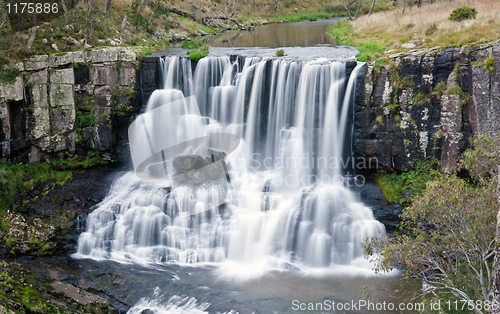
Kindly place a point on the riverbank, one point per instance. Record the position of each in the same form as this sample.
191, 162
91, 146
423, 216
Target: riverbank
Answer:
152, 26
385, 33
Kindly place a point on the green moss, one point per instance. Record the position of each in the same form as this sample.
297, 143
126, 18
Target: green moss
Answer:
197, 54
17, 177
413, 181
146, 52
440, 89
27, 293
8, 74
280, 53
489, 65
420, 99
454, 89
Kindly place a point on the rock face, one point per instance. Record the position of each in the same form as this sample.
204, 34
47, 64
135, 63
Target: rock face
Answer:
427, 103
62, 105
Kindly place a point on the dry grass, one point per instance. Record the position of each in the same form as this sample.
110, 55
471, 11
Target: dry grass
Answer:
429, 26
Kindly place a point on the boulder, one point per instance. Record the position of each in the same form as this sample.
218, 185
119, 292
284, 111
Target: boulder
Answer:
184, 163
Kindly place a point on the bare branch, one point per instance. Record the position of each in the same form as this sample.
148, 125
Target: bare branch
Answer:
371, 8
242, 27
4, 20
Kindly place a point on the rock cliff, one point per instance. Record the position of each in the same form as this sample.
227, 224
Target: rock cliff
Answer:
408, 106
427, 103
61, 105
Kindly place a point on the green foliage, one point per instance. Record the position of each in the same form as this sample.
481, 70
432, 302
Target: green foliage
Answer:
414, 181
140, 22
419, 99
489, 65
24, 292
8, 74
463, 13
448, 232
17, 177
305, 16
482, 162
280, 53
454, 89
146, 52
440, 88
457, 68
197, 54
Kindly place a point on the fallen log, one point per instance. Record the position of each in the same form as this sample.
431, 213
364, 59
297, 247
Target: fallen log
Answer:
182, 13
241, 26
207, 19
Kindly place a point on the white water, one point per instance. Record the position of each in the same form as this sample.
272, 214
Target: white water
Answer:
175, 305
286, 208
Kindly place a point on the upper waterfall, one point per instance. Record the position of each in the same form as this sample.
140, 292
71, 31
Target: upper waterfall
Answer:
286, 200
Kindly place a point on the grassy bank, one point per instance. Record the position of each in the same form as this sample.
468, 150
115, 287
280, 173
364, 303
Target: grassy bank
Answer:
425, 27
325, 11
150, 24
23, 177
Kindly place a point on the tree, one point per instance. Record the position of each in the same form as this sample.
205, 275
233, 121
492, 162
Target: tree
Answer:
354, 8
448, 237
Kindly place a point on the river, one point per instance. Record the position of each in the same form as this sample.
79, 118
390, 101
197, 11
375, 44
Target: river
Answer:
254, 229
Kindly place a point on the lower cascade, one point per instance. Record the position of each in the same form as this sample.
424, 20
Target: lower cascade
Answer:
287, 203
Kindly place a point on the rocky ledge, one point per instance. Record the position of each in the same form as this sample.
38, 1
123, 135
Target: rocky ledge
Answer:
427, 103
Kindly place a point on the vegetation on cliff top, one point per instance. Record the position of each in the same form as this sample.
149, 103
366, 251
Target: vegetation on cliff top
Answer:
448, 233
418, 27
152, 23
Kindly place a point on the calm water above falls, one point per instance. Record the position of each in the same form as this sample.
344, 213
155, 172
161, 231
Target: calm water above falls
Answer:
297, 34
274, 240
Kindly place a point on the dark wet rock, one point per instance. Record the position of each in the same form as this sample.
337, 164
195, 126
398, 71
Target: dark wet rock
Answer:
384, 211
186, 163
48, 219
217, 154
399, 117
214, 171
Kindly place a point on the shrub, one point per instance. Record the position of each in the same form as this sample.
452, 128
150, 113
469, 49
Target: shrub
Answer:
9, 74
197, 54
440, 88
413, 181
431, 30
489, 65
146, 51
463, 13
280, 53
448, 238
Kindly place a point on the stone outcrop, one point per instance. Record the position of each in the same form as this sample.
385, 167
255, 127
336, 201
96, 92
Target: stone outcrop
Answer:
62, 105
427, 103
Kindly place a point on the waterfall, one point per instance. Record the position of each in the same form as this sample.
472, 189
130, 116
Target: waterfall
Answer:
283, 204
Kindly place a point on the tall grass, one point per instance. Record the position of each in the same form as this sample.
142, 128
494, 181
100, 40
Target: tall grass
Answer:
431, 23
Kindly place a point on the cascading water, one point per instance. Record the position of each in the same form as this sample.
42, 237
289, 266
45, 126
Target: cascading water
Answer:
287, 203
